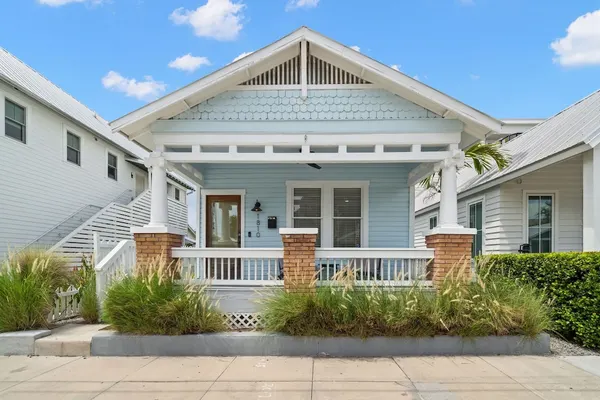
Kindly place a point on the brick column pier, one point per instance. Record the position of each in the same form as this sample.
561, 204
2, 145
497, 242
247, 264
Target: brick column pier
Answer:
152, 243
298, 258
452, 253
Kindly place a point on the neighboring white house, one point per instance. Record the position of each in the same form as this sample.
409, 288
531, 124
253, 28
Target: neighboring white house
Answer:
547, 197
61, 165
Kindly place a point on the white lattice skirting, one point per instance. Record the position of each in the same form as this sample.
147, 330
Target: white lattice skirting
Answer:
245, 321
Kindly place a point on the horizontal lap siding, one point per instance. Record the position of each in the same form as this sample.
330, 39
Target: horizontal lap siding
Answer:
388, 196
38, 187
421, 229
505, 219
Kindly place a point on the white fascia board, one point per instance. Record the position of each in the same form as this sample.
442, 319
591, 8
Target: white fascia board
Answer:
406, 82
515, 174
593, 139
179, 96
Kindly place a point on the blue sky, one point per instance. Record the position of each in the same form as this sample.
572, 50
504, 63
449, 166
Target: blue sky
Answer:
494, 55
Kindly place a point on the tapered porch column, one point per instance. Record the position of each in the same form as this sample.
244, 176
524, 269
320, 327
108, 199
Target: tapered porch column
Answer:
451, 242
448, 199
591, 206
157, 239
159, 210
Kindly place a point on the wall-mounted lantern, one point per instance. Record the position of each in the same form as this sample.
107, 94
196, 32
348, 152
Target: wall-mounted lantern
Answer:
257, 210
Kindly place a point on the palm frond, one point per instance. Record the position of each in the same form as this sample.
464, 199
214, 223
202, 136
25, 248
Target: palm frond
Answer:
482, 157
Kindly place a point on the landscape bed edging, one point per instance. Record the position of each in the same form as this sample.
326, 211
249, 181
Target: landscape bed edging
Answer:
271, 344
21, 343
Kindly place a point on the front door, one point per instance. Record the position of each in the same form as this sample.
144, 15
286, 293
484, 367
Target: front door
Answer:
223, 230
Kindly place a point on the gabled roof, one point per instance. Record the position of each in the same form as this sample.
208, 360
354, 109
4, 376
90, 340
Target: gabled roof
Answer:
16, 73
477, 123
578, 124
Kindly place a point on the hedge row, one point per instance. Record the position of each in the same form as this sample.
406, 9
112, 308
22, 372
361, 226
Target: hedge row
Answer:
571, 281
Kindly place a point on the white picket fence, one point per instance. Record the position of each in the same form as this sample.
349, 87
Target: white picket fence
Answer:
66, 305
113, 223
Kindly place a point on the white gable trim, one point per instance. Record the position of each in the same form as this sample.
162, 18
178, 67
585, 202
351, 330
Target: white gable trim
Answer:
477, 122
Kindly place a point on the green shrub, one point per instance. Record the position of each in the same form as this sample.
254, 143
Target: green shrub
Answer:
27, 284
491, 306
151, 302
85, 280
572, 283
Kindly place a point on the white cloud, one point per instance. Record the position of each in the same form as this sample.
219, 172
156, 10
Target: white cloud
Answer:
581, 46
416, 78
188, 62
217, 19
295, 4
355, 48
244, 54
58, 3
474, 77
148, 89
396, 67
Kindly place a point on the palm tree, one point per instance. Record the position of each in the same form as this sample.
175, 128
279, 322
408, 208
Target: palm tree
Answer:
481, 157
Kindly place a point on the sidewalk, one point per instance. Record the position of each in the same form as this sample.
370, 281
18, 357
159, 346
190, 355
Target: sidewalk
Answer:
429, 378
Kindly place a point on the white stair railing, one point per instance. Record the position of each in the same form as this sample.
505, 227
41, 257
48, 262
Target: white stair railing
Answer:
119, 262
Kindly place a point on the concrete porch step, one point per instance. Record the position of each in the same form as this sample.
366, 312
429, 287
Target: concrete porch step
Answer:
68, 340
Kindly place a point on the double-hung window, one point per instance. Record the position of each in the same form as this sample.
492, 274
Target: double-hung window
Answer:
337, 209
476, 222
112, 166
73, 148
14, 121
433, 222
307, 209
540, 222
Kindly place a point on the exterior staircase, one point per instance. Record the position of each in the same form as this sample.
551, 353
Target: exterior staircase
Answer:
113, 223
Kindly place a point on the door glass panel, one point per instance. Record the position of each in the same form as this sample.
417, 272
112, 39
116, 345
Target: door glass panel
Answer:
476, 222
539, 222
224, 223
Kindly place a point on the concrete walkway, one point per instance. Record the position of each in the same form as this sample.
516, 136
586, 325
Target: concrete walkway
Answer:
300, 378
68, 340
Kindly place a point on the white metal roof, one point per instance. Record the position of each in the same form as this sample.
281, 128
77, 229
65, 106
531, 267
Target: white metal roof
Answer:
576, 125
16, 73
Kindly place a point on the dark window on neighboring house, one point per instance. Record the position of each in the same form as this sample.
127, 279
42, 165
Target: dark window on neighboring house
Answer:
73, 148
432, 222
476, 222
177, 194
14, 121
112, 166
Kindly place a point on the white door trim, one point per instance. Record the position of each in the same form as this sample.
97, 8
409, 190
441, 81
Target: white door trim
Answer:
555, 225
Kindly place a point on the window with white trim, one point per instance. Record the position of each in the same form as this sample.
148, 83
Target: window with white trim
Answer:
14, 121
112, 166
540, 222
73, 148
177, 194
476, 222
306, 211
337, 209
433, 222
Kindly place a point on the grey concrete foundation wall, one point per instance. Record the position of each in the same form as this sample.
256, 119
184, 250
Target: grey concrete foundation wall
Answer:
20, 343
265, 344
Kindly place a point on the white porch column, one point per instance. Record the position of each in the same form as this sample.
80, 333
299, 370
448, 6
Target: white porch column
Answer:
448, 199
588, 201
159, 209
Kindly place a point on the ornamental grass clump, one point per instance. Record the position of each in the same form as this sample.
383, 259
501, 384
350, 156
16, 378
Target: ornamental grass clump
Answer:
489, 306
28, 281
85, 278
153, 302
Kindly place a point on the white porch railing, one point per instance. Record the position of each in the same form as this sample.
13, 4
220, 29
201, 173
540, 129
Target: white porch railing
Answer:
103, 246
395, 267
233, 266
120, 261
239, 267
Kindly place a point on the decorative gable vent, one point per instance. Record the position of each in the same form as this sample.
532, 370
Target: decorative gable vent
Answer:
323, 73
287, 73
318, 72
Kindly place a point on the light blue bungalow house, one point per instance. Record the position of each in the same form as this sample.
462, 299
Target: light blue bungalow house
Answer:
307, 133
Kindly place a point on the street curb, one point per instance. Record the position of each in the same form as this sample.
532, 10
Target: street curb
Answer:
269, 344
